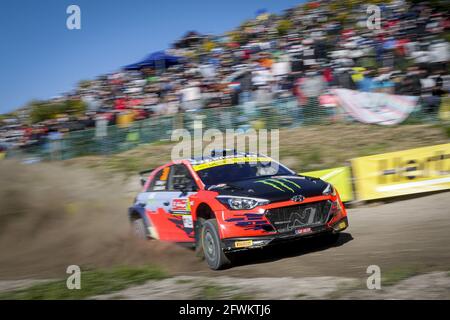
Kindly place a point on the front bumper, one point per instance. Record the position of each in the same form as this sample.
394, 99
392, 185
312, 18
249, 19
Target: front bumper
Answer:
245, 243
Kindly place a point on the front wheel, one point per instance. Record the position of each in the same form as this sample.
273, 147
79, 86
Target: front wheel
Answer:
211, 244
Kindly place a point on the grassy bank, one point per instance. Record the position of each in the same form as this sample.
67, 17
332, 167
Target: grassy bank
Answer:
93, 283
303, 149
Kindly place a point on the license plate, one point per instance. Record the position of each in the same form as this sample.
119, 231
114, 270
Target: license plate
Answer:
302, 230
243, 244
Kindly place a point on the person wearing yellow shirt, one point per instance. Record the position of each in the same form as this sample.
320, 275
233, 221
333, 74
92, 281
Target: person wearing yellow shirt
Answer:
358, 74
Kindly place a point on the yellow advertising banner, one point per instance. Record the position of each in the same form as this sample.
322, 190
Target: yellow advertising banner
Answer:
340, 178
402, 172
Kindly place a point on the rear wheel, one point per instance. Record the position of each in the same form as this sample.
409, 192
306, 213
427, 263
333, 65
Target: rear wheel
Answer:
211, 244
139, 229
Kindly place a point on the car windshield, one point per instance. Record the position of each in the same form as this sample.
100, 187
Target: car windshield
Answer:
241, 171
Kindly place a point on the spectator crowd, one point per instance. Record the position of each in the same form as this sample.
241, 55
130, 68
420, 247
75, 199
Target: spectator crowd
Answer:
300, 54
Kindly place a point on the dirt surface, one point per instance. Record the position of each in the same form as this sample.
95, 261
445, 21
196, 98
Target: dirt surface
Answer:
430, 286
51, 217
222, 287
411, 234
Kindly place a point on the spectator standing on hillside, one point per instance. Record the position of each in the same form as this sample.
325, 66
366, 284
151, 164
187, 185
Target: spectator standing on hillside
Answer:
410, 85
312, 87
432, 102
54, 137
191, 96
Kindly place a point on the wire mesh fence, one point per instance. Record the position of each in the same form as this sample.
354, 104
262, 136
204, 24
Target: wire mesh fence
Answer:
278, 114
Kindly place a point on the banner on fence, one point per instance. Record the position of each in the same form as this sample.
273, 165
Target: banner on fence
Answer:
402, 172
339, 177
373, 107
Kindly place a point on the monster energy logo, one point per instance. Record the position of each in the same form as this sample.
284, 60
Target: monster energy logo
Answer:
280, 184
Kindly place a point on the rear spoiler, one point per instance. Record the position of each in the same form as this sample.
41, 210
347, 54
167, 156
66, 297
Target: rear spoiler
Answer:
143, 175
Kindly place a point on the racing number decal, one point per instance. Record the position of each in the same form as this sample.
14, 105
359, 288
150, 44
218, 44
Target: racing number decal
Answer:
165, 174
160, 183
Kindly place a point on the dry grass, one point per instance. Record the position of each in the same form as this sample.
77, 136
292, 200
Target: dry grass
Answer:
302, 149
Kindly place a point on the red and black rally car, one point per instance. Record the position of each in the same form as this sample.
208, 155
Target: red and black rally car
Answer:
229, 202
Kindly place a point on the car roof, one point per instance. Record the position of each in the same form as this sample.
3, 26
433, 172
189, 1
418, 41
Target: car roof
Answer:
221, 154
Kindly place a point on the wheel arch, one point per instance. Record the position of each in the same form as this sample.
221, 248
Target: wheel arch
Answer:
204, 211
136, 212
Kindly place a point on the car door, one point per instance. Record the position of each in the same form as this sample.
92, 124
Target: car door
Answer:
168, 206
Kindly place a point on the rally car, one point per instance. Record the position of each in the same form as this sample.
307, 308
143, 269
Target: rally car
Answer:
233, 201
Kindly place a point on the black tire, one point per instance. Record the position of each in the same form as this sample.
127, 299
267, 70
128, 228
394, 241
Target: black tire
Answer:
212, 246
198, 238
139, 228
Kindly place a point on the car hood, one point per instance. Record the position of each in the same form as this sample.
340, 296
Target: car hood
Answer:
276, 188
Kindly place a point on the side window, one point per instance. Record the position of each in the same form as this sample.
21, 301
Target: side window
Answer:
180, 175
159, 182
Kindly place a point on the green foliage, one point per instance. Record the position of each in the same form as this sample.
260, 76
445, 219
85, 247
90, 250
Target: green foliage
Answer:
210, 292
238, 36
92, 283
446, 36
394, 276
447, 130
75, 107
215, 292
44, 110
208, 45
84, 84
283, 27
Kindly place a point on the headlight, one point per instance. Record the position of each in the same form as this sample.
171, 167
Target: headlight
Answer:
329, 191
241, 203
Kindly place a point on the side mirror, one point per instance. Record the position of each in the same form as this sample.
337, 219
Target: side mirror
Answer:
184, 187
180, 187
143, 181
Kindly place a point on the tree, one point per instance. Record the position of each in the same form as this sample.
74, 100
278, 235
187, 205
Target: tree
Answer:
283, 27
75, 107
45, 110
208, 45
84, 84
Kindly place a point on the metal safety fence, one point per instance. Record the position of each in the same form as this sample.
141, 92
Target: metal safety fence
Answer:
278, 114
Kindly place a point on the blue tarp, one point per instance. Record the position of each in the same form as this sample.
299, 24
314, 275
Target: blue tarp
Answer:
157, 60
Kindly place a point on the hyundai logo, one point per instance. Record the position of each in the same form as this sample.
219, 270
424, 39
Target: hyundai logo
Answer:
298, 198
